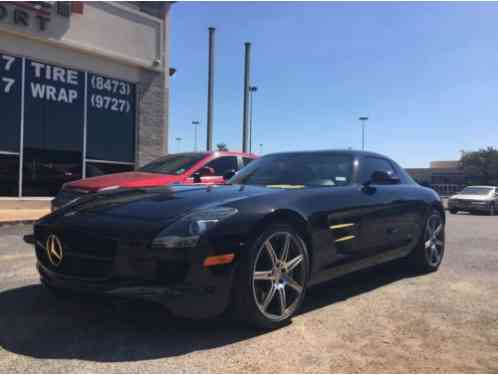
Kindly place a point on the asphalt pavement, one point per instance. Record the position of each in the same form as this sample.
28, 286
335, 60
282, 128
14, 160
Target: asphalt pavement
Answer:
380, 320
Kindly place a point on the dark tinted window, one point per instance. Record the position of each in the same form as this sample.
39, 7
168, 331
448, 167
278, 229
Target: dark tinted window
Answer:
246, 161
110, 119
10, 102
370, 165
9, 175
98, 169
223, 164
306, 169
172, 164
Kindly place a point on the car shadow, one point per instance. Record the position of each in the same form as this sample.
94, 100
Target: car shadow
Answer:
33, 322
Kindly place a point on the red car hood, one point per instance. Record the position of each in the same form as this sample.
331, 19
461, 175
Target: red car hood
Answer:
126, 179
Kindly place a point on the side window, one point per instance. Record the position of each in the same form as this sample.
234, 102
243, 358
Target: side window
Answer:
246, 161
223, 164
371, 164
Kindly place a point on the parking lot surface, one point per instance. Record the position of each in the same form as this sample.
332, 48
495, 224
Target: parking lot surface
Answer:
380, 320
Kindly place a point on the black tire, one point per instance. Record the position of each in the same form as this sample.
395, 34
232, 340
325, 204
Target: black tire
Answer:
453, 211
492, 210
422, 258
245, 291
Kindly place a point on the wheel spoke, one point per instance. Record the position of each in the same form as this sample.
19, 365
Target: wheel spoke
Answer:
293, 263
428, 243
271, 252
269, 297
294, 284
285, 250
263, 275
282, 299
439, 242
438, 229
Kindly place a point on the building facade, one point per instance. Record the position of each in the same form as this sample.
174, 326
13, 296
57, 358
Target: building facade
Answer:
446, 177
84, 90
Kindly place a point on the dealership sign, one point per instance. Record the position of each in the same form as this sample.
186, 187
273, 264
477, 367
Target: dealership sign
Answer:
37, 14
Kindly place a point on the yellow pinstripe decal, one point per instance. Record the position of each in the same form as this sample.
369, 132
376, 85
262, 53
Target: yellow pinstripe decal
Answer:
339, 226
344, 238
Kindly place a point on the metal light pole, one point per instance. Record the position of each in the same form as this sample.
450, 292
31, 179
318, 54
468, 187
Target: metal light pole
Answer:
195, 123
209, 140
178, 139
363, 119
245, 114
252, 89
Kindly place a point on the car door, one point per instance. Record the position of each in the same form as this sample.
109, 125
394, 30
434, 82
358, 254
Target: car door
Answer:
382, 204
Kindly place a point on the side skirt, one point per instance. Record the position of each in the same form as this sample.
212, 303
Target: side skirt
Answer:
342, 270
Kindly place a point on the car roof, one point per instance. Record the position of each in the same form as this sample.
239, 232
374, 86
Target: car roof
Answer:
348, 151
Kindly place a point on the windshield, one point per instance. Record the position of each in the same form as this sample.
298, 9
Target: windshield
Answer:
476, 190
172, 164
297, 171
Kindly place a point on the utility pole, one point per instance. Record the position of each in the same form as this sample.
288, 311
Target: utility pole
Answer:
209, 141
363, 119
252, 89
245, 115
195, 123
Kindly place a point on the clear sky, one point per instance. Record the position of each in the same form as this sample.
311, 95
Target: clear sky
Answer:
425, 73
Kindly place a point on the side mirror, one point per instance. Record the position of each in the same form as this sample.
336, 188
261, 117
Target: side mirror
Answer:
229, 174
383, 178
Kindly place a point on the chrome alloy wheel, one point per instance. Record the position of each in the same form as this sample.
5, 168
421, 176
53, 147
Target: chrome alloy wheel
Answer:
434, 245
279, 275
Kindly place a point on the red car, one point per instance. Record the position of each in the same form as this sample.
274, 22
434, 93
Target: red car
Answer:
183, 168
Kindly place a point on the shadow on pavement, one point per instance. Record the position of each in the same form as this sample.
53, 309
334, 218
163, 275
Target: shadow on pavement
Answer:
35, 323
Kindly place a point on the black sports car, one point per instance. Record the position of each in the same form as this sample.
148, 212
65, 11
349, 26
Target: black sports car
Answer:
283, 223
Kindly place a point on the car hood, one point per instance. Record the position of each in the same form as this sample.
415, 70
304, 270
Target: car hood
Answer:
473, 197
123, 180
160, 205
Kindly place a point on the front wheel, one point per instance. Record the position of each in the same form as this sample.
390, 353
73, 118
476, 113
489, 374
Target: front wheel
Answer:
271, 280
492, 209
428, 255
453, 211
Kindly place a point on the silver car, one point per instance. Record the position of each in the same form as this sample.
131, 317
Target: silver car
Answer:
475, 199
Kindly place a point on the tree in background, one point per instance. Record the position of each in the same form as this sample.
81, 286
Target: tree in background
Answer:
222, 146
482, 163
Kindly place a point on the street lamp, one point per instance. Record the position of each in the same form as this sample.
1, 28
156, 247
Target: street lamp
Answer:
195, 123
252, 89
178, 139
363, 119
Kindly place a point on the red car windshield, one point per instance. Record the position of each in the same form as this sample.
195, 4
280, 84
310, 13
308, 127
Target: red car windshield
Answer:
173, 164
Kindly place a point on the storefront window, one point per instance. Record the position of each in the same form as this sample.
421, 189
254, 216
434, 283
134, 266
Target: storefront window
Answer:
47, 113
98, 169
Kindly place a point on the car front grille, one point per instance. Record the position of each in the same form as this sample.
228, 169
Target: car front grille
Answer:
84, 255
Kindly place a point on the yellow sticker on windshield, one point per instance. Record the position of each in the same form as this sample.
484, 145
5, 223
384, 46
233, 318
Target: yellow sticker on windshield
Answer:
285, 186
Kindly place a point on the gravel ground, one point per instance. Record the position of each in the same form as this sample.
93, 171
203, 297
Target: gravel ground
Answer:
380, 320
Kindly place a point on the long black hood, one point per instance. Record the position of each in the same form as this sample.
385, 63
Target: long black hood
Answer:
161, 205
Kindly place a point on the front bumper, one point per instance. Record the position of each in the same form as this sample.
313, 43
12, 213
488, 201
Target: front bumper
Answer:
463, 205
175, 278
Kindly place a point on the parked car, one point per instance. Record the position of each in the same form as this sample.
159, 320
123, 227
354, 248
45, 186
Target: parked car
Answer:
282, 224
182, 168
475, 199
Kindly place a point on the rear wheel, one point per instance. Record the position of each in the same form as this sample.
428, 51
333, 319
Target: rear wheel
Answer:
428, 255
453, 211
271, 280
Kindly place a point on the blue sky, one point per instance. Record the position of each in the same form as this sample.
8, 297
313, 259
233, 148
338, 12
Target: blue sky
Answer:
425, 74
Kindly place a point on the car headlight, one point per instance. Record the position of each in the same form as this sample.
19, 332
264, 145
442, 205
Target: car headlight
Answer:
187, 231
